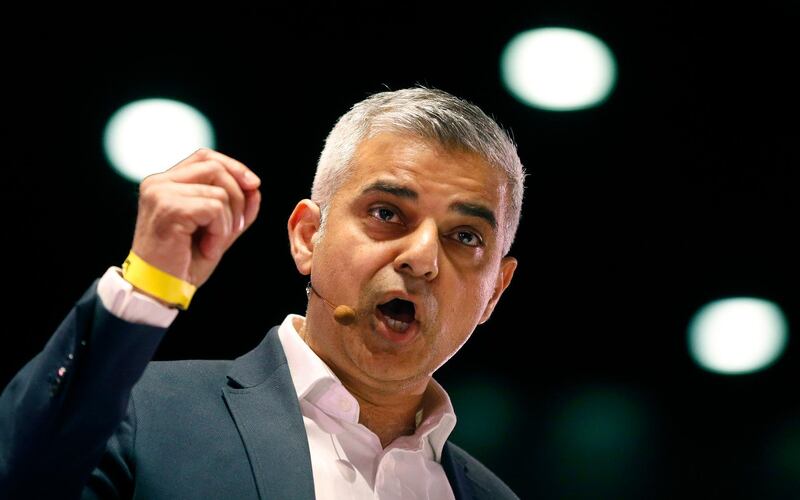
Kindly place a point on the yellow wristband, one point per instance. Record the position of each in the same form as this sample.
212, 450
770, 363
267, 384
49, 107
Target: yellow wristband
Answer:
156, 282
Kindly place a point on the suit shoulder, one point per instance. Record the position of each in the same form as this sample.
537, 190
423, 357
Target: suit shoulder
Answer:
481, 476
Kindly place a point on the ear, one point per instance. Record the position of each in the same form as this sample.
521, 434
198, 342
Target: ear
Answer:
507, 267
303, 226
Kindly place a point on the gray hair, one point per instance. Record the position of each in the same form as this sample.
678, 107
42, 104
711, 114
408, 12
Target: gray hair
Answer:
430, 114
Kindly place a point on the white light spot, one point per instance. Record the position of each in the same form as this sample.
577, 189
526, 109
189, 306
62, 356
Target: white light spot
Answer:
738, 335
558, 69
149, 136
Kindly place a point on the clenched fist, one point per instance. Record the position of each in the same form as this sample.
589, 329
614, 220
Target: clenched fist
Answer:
192, 213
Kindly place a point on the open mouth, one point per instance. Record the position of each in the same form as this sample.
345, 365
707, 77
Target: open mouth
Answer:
398, 313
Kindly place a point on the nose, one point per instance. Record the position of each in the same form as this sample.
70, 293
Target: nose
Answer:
419, 256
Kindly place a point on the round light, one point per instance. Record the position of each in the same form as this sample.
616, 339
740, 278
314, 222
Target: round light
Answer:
151, 135
737, 335
558, 69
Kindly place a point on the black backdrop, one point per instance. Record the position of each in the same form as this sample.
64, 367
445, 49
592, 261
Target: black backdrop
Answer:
679, 190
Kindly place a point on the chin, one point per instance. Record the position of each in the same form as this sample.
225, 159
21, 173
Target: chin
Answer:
386, 371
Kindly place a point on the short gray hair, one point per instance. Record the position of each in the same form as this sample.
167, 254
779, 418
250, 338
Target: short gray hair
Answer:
430, 114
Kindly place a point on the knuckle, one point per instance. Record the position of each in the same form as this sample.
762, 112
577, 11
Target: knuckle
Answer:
237, 165
202, 168
147, 193
216, 205
151, 180
202, 153
220, 194
216, 165
213, 168
161, 206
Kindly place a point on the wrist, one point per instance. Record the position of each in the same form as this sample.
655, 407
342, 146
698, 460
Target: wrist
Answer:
121, 300
152, 282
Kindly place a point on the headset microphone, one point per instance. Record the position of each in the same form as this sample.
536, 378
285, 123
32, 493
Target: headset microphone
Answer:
344, 315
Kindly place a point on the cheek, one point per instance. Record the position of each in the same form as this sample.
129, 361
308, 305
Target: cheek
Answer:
471, 292
345, 257
459, 309
486, 292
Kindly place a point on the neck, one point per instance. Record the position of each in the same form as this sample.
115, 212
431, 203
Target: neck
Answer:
389, 417
389, 410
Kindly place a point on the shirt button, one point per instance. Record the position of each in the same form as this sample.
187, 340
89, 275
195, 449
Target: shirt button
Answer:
345, 404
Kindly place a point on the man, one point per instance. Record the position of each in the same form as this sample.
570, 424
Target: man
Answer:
414, 207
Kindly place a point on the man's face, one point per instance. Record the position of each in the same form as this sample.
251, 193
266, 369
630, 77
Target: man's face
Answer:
413, 243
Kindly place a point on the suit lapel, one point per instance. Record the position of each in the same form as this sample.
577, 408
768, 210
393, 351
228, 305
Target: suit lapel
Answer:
456, 473
262, 401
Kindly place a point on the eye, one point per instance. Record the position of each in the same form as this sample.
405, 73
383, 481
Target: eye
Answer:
468, 238
384, 214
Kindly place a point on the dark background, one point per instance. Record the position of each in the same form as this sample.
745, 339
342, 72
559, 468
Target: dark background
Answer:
679, 190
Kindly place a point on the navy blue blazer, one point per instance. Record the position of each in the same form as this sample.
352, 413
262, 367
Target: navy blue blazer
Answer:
91, 417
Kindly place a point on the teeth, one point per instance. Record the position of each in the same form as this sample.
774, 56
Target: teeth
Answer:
397, 325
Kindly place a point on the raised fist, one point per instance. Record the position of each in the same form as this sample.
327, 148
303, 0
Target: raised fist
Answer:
190, 214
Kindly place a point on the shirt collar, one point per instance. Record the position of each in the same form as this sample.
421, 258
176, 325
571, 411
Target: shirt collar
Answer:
440, 419
307, 369
316, 383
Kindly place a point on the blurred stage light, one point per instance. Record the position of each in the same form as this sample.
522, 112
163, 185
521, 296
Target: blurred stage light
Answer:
151, 135
488, 415
737, 335
558, 69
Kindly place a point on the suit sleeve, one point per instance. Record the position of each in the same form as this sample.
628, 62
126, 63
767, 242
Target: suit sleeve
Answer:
58, 413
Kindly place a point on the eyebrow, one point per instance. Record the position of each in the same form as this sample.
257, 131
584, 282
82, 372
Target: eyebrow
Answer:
464, 208
475, 210
391, 188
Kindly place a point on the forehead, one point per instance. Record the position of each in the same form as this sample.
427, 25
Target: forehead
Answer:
427, 168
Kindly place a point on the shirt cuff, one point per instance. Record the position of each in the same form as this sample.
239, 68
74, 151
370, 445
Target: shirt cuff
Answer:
121, 300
